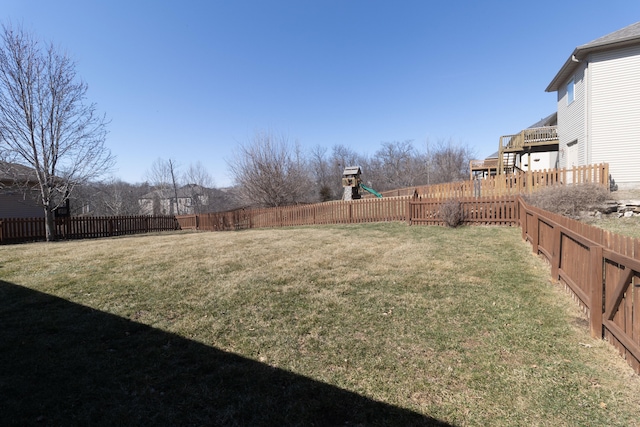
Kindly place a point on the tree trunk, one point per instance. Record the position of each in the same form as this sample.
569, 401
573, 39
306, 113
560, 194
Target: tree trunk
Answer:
50, 225
175, 187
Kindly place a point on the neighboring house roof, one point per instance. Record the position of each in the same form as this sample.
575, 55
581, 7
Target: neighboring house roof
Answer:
13, 173
550, 120
627, 36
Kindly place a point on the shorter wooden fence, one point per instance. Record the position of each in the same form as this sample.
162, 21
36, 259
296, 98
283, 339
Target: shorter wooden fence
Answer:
600, 269
475, 211
18, 230
413, 210
335, 212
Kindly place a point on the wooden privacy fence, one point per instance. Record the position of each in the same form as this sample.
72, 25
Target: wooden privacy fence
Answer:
413, 210
513, 184
601, 270
336, 212
475, 211
17, 230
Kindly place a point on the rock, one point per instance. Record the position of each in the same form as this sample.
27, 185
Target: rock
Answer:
608, 207
628, 214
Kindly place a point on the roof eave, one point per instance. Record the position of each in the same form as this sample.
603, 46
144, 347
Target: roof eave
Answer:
562, 75
580, 53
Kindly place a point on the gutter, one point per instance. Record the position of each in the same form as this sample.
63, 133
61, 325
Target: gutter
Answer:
581, 52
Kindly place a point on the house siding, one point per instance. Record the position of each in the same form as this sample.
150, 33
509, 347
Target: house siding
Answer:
15, 205
571, 118
540, 161
614, 125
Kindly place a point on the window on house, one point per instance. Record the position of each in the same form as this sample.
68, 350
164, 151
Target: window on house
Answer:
570, 91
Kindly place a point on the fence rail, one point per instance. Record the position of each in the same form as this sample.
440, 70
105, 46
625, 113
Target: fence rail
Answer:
486, 211
336, 212
601, 270
413, 210
18, 230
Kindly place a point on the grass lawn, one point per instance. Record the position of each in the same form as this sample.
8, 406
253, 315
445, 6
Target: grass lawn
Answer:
624, 226
374, 324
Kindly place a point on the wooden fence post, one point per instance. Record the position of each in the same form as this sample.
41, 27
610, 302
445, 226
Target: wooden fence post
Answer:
595, 291
535, 234
522, 215
556, 255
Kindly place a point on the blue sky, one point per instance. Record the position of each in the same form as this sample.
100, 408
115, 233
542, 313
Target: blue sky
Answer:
189, 80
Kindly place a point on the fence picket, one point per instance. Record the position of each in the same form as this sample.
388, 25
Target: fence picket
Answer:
18, 230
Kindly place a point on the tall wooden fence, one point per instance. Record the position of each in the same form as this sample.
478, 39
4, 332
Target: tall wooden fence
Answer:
513, 184
601, 269
17, 230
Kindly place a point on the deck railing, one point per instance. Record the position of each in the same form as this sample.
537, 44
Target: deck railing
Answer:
529, 137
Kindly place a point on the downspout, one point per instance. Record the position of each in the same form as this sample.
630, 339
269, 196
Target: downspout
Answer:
587, 113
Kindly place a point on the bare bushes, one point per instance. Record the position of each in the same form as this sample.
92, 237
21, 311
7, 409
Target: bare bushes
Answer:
451, 213
569, 200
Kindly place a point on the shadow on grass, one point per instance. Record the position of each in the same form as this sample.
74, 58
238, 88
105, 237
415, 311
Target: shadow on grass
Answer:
64, 364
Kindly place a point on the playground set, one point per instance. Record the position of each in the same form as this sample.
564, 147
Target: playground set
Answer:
352, 184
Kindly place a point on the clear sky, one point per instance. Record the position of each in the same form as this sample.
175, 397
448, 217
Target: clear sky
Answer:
189, 80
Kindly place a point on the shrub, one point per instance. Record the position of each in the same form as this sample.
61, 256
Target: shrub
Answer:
451, 213
569, 200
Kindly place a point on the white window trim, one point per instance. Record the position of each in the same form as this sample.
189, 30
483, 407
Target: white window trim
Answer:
571, 95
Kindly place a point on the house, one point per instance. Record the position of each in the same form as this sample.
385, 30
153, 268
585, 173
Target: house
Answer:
598, 92
191, 199
16, 199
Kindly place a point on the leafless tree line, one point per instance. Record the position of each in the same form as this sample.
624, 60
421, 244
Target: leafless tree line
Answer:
168, 190
270, 170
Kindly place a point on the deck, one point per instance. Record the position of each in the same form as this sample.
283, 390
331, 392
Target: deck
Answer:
531, 139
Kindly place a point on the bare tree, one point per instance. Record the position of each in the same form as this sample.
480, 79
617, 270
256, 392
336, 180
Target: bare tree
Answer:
396, 165
199, 184
108, 198
320, 168
270, 171
45, 123
163, 175
448, 162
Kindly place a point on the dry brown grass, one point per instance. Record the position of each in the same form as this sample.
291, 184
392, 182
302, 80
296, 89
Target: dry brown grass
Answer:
412, 323
569, 200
